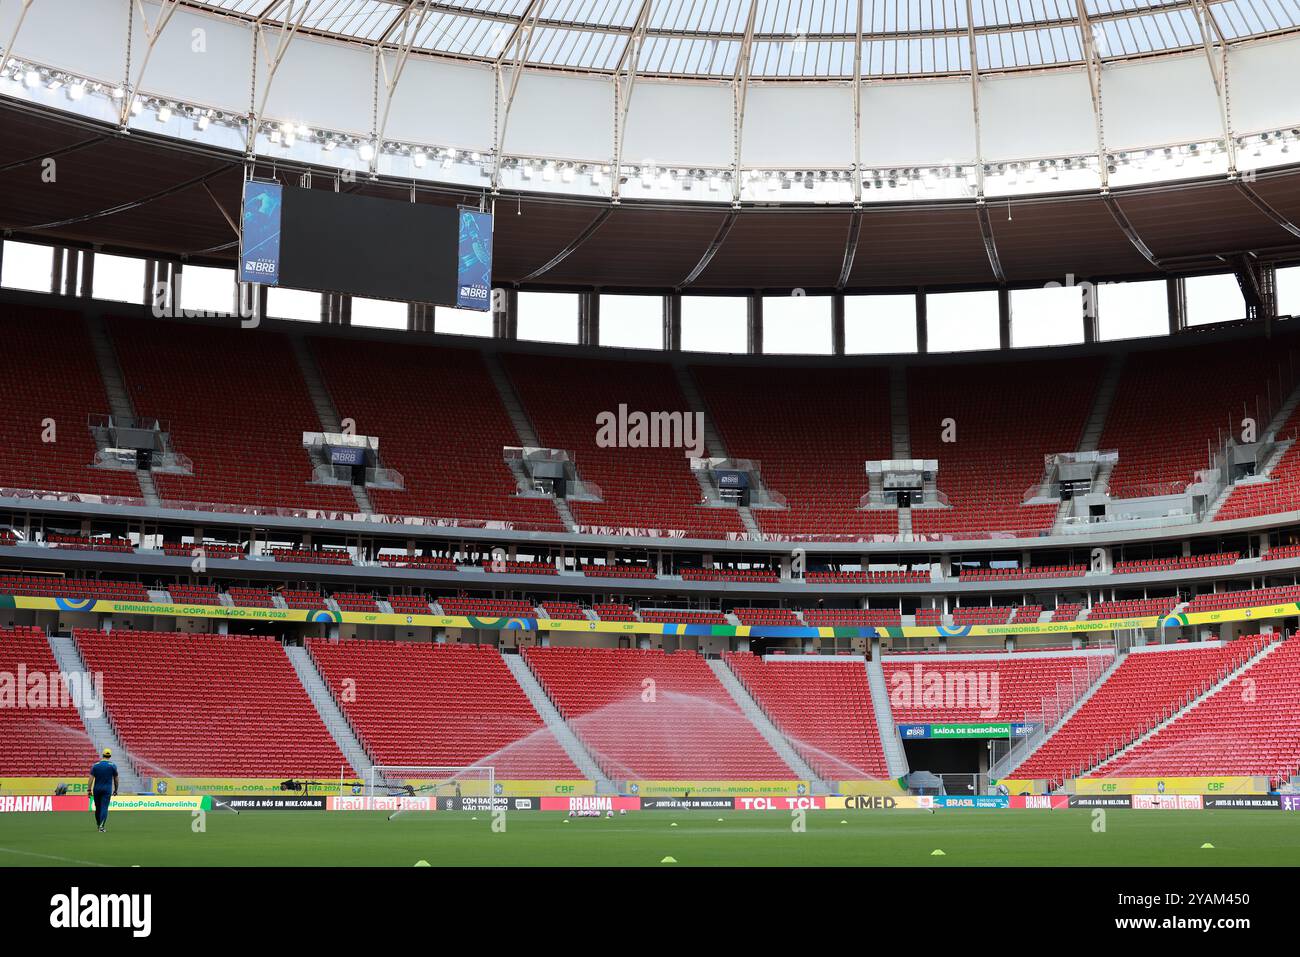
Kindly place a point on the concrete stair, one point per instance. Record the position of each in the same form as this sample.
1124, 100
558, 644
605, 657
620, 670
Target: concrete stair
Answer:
899, 430
119, 399
510, 399
1101, 404
324, 406
895, 756
330, 713
99, 729
759, 719
573, 746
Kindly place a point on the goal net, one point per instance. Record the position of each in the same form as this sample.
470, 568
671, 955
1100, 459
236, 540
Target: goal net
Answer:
414, 787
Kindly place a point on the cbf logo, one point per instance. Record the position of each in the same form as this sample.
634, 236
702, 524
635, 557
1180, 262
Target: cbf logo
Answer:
498, 788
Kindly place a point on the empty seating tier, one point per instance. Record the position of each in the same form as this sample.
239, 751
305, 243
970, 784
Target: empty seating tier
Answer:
415, 398
645, 714
1146, 688
1009, 687
824, 707
440, 706
1247, 727
47, 741
643, 488
990, 442
810, 436
209, 705
52, 377
237, 406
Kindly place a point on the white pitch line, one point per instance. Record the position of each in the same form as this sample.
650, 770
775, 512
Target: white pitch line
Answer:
53, 857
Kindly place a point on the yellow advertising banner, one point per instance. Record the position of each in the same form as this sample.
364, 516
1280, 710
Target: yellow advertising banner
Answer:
888, 786
438, 787
716, 788
75, 785
1172, 785
879, 802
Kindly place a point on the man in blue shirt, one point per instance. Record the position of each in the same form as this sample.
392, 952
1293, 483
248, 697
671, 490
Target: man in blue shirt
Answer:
103, 787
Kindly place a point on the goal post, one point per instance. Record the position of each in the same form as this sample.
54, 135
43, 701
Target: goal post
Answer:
414, 786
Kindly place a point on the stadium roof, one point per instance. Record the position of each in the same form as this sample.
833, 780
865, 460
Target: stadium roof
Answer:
785, 39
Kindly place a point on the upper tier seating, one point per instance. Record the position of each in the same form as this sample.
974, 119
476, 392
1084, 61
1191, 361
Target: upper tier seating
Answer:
83, 543
355, 601
1067, 611
618, 571
867, 578
729, 575
209, 705
52, 375
434, 562
451, 461
313, 556
1002, 435
767, 616
1182, 563
1146, 688
487, 607
48, 741
614, 611
80, 588
564, 610
410, 605
210, 550
1003, 574
1281, 493
238, 407
683, 616
810, 430
642, 488
1282, 594
981, 615
519, 568
1132, 608
860, 617
251, 597
440, 705
194, 594
824, 707
302, 598
691, 730
1247, 727
1022, 681
1172, 406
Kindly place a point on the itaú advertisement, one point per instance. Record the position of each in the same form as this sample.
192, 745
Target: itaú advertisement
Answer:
720, 788
1172, 785
380, 802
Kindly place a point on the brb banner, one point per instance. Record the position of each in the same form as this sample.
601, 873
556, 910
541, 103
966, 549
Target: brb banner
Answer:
474, 264
259, 239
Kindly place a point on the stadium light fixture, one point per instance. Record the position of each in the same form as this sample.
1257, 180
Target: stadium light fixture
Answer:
418, 158
366, 151
32, 78
164, 113
76, 91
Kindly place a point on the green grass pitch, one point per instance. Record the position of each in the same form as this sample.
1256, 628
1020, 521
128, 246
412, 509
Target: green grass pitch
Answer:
879, 838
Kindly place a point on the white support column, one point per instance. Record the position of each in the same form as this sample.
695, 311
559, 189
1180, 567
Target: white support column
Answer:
739, 90
287, 29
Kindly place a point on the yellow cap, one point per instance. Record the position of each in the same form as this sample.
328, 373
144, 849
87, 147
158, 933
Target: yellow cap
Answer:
108, 753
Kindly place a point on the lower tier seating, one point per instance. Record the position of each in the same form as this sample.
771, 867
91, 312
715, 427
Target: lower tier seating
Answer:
645, 714
48, 741
1247, 727
440, 705
209, 705
824, 707
1146, 688
997, 688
